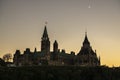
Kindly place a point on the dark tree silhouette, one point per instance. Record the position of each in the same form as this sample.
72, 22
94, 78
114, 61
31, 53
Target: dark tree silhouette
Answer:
7, 57
2, 62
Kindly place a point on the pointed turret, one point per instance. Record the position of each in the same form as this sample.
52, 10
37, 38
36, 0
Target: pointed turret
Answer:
99, 61
86, 39
86, 56
45, 43
55, 46
16, 57
86, 43
35, 50
45, 34
55, 42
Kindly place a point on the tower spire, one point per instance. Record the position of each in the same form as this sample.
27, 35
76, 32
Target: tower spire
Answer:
45, 34
45, 43
86, 33
86, 39
46, 23
55, 46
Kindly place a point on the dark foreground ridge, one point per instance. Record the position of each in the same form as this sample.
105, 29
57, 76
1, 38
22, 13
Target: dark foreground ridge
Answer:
59, 73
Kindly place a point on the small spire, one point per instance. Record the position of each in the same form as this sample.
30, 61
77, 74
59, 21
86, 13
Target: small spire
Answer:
86, 39
35, 50
86, 32
95, 51
55, 42
45, 34
46, 23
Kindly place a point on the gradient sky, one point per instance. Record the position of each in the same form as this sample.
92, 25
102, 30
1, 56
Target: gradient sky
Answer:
22, 23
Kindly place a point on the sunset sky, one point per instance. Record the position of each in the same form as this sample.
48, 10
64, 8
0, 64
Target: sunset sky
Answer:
22, 23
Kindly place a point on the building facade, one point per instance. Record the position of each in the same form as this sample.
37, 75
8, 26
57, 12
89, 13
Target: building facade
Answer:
86, 56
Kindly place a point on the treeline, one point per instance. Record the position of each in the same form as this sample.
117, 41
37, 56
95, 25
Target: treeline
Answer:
59, 73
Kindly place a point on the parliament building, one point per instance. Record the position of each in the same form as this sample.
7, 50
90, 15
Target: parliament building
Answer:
85, 57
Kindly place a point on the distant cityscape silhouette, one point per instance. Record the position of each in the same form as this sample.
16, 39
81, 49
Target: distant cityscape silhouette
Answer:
57, 57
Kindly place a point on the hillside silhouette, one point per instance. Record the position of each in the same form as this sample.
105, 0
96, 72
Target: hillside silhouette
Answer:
59, 73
